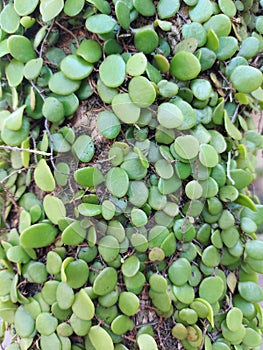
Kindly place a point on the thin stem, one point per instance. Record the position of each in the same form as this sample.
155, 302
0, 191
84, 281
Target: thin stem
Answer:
34, 151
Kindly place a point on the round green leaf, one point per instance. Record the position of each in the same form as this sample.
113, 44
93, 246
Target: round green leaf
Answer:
105, 282
14, 72
136, 64
54, 208
146, 39
53, 110
138, 217
117, 182
211, 289
169, 115
122, 324
186, 146
88, 176
46, 323
146, 342
64, 295
201, 89
138, 193
220, 24
100, 339
208, 155
43, 176
234, 319
122, 11
9, 19
211, 256
75, 67
250, 291
38, 235
112, 71
62, 85
83, 306
180, 271
73, 8
125, 109
33, 68
108, 124
195, 30
129, 303
90, 50
21, 48
109, 248
193, 190
83, 148
146, 8
185, 66
164, 169
14, 120
23, 322
167, 8
141, 92
49, 9
73, 234
246, 79
100, 23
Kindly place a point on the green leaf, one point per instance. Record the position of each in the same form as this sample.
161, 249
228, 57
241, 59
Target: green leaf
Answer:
14, 72
90, 50
73, 7
208, 155
117, 182
136, 64
105, 282
46, 324
167, 8
24, 322
250, 291
211, 289
145, 8
25, 7
129, 303
122, 11
231, 129
54, 208
108, 124
125, 109
15, 138
146, 342
100, 23
83, 148
83, 306
146, 39
88, 176
33, 68
61, 85
186, 146
38, 235
43, 177
75, 67
21, 48
53, 110
246, 79
141, 92
49, 9
100, 339
15, 119
112, 71
169, 115
185, 66
9, 19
